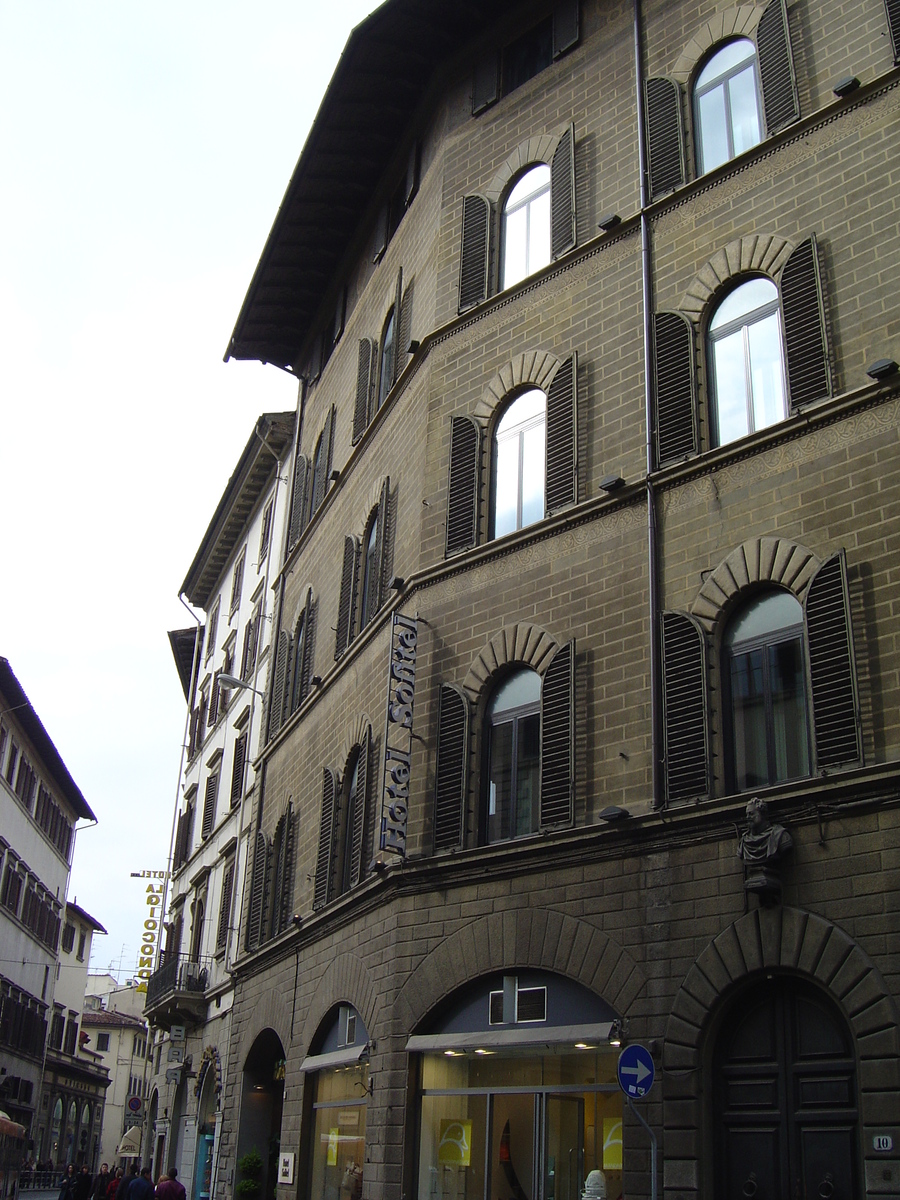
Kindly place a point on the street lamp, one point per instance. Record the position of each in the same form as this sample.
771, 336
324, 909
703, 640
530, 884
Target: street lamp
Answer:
232, 681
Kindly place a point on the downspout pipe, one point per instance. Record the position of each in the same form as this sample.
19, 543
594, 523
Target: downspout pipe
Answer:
656, 738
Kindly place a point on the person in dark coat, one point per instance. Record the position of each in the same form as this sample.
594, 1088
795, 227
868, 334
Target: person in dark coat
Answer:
170, 1187
68, 1185
142, 1187
101, 1183
84, 1184
126, 1184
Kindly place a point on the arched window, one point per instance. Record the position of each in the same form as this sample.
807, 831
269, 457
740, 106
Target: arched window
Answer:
525, 236
765, 678
746, 361
726, 105
386, 371
519, 463
514, 757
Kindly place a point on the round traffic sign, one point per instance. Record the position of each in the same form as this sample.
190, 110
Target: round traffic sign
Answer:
134, 1104
635, 1070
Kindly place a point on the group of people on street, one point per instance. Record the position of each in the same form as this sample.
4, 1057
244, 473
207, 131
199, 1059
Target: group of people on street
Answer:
116, 1185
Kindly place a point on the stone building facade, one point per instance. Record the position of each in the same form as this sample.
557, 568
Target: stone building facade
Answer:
593, 539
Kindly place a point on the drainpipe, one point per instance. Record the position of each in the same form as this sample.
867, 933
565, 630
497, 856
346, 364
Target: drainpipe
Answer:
656, 739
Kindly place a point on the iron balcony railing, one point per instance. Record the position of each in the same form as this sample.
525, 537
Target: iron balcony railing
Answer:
178, 973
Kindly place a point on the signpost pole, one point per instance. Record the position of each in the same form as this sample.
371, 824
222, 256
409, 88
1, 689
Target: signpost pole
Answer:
652, 1146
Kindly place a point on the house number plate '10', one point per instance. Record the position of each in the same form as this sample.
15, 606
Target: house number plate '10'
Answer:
882, 1141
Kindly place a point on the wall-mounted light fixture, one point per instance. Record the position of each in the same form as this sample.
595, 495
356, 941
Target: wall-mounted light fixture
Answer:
882, 368
611, 483
609, 221
232, 681
845, 86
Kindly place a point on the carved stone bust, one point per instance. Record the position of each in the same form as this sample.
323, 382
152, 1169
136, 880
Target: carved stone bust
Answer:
761, 848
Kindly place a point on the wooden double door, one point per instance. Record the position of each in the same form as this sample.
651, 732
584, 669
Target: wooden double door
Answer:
785, 1097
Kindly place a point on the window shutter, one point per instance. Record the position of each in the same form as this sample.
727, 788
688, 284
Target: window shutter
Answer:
892, 10
462, 489
347, 600
225, 906
322, 885
684, 708
214, 700
399, 349
412, 174
357, 833
665, 136
557, 726
473, 266
304, 665
381, 234
803, 310
178, 855
486, 84
328, 448
405, 334
565, 27
831, 666
673, 372
562, 194
776, 67
257, 891
276, 703
382, 543
363, 387
284, 901
209, 805
298, 500
450, 772
237, 770
561, 437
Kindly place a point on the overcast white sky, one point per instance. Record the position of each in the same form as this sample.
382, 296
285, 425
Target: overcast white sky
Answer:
144, 150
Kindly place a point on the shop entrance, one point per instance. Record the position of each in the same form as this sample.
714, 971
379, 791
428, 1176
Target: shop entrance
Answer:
785, 1101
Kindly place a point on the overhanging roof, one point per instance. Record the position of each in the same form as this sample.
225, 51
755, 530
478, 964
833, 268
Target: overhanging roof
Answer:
33, 728
183, 642
85, 916
251, 477
380, 80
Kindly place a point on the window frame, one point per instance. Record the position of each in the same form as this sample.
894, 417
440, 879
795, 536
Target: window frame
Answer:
512, 716
722, 79
765, 641
743, 323
527, 204
387, 356
518, 431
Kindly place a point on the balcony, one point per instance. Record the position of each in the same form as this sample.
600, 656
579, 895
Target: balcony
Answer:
176, 991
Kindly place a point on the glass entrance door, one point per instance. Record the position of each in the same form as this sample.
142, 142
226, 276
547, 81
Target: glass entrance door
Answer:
563, 1147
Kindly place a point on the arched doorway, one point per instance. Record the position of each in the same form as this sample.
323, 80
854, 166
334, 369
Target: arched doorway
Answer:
206, 1133
262, 1096
784, 1116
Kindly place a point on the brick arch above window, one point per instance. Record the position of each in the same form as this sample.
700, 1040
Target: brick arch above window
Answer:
538, 149
523, 644
764, 253
346, 980
360, 727
759, 560
535, 368
739, 21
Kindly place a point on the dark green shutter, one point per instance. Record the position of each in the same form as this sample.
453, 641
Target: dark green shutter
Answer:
225, 905
673, 378
399, 354
776, 67
322, 885
209, 805
298, 500
450, 771
279, 677
462, 490
486, 83
565, 26
303, 652
831, 666
237, 770
347, 599
562, 194
363, 388
405, 335
382, 546
803, 310
665, 137
360, 803
684, 708
474, 258
561, 437
557, 738
257, 891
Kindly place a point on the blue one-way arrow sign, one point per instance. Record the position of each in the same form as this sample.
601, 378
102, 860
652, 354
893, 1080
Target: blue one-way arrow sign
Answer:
635, 1070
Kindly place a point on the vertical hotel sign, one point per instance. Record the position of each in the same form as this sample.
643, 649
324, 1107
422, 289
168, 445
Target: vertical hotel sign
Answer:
155, 887
398, 734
